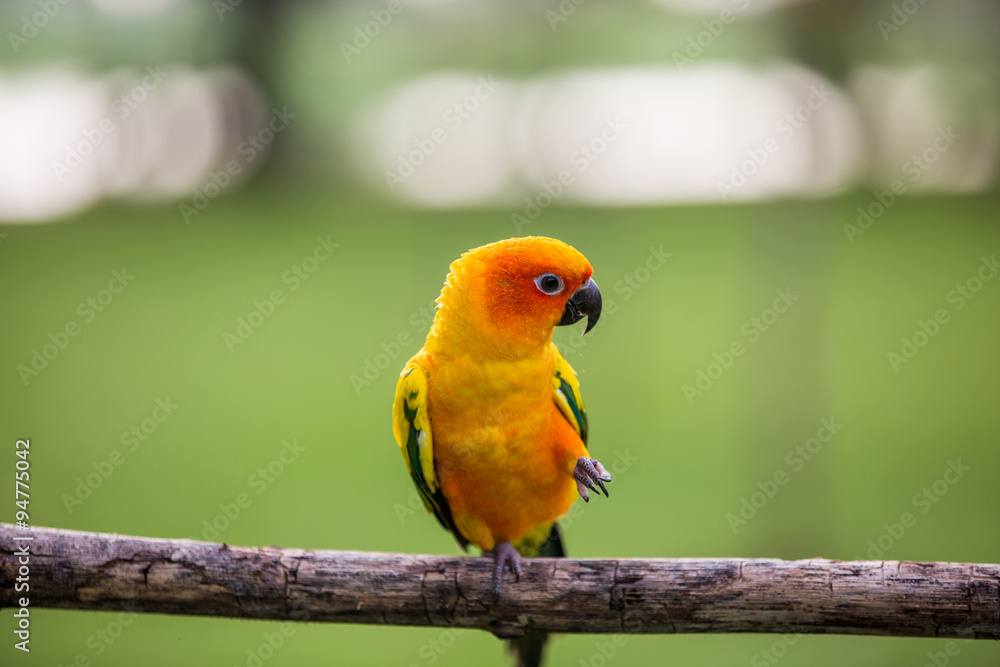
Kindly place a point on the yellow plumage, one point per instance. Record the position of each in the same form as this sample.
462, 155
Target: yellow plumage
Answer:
488, 414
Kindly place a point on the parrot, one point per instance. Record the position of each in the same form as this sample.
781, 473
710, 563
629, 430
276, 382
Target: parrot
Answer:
488, 414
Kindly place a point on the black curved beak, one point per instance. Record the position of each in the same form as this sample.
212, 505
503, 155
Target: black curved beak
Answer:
585, 302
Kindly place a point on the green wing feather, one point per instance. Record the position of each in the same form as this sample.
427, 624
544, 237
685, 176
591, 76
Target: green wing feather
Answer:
411, 426
567, 395
412, 429
545, 540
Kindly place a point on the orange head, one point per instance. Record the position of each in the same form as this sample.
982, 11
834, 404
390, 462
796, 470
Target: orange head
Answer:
509, 295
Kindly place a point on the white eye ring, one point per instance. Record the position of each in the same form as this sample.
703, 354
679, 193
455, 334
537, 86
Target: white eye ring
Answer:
549, 283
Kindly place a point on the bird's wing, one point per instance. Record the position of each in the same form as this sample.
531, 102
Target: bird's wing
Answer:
566, 391
412, 427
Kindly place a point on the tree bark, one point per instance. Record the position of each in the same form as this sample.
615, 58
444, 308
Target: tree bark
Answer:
78, 570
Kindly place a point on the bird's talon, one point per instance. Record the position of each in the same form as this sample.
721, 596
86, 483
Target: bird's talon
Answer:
504, 556
588, 472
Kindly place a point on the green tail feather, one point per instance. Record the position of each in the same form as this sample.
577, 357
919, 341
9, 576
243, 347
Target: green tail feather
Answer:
530, 649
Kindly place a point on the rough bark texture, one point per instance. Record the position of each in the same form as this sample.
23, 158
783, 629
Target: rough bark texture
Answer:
76, 570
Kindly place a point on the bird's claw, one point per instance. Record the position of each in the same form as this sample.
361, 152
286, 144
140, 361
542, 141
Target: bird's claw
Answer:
504, 556
589, 472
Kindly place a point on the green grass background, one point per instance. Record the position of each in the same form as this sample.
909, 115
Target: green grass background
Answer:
826, 357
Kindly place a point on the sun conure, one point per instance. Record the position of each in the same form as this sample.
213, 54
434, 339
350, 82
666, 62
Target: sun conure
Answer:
488, 414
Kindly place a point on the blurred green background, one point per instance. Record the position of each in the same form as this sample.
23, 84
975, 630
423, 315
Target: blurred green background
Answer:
319, 371
162, 337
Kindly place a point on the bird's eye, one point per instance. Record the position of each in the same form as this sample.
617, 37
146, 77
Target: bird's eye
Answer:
549, 283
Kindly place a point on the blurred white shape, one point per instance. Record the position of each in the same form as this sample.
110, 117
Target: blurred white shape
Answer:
181, 136
925, 132
55, 147
133, 7
833, 133
441, 140
723, 131
178, 125
68, 138
717, 6
708, 133
627, 136
663, 144
243, 112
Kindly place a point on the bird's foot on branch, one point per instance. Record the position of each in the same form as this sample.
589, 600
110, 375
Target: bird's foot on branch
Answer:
504, 556
587, 473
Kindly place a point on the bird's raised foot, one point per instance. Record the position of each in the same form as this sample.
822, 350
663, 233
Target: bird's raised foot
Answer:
504, 556
587, 473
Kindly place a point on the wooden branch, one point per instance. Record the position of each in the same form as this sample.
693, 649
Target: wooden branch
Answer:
77, 570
